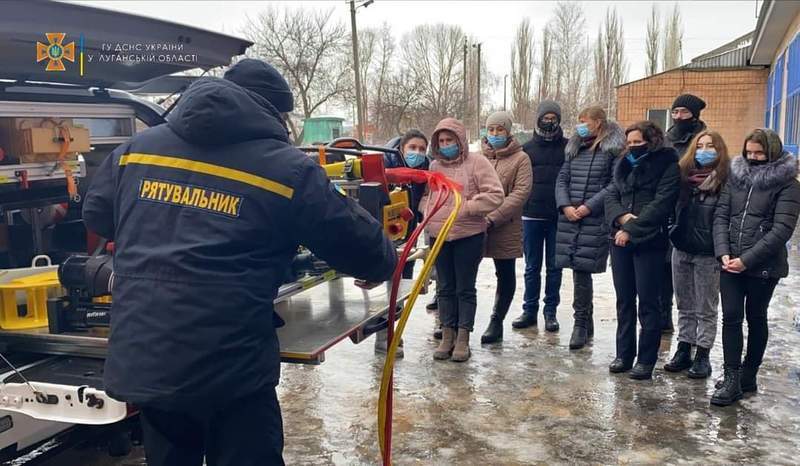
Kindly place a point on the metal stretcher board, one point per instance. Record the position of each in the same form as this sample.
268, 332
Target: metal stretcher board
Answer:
316, 318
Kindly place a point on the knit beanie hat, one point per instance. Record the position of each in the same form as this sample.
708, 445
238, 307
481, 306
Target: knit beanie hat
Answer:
693, 103
500, 118
263, 79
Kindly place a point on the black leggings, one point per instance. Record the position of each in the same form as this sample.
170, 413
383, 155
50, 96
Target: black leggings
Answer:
745, 296
505, 271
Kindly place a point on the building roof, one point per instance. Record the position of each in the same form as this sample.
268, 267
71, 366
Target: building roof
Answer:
732, 55
774, 20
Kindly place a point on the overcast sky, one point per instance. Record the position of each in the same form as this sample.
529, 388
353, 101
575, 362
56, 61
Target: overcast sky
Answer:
707, 24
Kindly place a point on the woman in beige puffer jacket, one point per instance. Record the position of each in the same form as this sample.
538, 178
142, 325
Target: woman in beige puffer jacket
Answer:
504, 234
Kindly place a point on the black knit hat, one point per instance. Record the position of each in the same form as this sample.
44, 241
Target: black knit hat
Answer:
692, 102
263, 79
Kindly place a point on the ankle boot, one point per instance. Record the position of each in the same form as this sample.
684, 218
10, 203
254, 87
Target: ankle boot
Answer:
579, 337
701, 367
461, 351
731, 390
641, 371
446, 345
525, 320
494, 332
551, 324
682, 358
433, 305
437, 329
749, 381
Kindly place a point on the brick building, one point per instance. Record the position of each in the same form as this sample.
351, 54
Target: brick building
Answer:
776, 43
732, 88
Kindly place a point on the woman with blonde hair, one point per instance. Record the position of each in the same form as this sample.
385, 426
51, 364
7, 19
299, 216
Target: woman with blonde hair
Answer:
581, 189
695, 270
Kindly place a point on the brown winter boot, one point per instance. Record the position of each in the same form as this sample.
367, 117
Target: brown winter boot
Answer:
461, 352
446, 345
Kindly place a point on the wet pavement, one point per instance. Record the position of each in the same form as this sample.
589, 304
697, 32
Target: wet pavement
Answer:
530, 400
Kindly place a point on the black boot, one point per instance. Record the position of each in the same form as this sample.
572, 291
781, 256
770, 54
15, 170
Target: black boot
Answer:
731, 390
749, 382
433, 305
618, 365
579, 336
551, 324
590, 327
525, 320
701, 368
641, 371
494, 332
682, 358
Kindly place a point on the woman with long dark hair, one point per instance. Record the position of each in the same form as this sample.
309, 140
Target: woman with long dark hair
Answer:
756, 215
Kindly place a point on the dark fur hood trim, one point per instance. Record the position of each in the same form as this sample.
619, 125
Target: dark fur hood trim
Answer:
771, 175
613, 143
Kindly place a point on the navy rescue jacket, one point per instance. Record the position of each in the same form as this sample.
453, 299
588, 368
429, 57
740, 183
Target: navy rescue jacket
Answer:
206, 212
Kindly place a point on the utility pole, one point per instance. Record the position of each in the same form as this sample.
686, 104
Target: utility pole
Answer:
356, 66
505, 78
466, 98
478, 116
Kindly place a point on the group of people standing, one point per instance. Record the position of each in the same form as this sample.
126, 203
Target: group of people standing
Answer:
669, 208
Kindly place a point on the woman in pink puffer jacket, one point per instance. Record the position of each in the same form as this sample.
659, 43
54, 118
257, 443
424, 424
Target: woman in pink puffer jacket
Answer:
458, 261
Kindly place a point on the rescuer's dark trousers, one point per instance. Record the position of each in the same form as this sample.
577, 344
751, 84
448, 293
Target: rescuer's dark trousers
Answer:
247, 432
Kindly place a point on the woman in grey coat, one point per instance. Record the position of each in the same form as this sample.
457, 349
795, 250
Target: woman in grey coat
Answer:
582, 239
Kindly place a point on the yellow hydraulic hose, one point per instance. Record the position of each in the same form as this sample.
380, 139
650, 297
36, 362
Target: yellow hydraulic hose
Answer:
388, 367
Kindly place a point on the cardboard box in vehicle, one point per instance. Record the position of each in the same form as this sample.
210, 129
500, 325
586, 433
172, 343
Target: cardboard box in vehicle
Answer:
38, 139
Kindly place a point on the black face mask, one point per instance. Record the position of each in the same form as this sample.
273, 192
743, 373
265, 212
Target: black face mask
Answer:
684, 126
756, 163
638, 151
548, 126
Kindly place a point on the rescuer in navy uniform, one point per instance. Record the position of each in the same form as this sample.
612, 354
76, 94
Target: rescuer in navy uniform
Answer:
206, 212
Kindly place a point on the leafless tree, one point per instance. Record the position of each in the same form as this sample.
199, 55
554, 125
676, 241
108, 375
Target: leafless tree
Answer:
546, 67
433, 55
673, 40
570, 56
653, 40
610, 67
522, 67
307, 46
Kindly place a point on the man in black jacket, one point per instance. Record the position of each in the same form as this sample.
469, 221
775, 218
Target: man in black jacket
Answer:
686, 124
540, 218
206, 212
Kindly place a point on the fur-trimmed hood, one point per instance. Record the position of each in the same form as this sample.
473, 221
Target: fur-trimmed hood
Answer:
771, 175
613, 143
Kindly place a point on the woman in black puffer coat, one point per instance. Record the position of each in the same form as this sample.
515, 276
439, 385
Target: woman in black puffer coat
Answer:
582, 238
638, 206
756, 216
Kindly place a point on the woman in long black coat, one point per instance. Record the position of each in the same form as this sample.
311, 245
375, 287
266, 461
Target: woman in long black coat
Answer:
582, 238
642, 198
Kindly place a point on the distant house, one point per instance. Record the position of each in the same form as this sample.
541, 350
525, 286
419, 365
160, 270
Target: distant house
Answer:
776, 44
322, 129
732, 86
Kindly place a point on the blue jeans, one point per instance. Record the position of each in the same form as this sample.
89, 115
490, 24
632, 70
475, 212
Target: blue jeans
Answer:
539, 237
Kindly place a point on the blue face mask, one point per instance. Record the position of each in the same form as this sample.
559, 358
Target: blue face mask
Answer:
414, 159
583, 130
497, 141
705, 157
449, 152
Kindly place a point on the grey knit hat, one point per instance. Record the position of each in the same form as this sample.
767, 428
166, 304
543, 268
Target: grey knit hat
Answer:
548, 106
500, 118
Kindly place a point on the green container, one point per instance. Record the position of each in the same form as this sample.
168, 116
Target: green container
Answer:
322, 129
